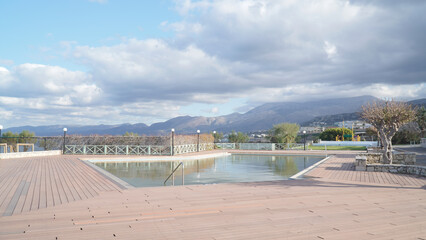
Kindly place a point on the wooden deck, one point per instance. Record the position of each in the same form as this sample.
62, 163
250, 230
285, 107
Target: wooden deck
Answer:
29, 184
335, 202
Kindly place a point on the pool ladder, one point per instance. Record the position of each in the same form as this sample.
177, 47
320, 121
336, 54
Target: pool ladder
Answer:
173, 174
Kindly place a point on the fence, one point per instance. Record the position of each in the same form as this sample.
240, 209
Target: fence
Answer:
134, 149
23, 144
140, 145
260, 146
347, 143
110, 145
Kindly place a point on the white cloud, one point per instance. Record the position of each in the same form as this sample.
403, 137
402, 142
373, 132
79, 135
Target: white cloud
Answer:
37, 80
214, 110
5, 77
5, 114
99, 1
330, 49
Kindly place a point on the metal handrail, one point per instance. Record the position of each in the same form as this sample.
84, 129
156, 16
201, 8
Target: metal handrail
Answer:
173, 174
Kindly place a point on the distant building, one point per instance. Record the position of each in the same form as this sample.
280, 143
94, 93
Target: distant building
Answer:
318, 124
317, 129
357, 124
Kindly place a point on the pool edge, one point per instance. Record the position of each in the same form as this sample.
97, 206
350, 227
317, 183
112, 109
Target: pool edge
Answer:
116, 180
300, 174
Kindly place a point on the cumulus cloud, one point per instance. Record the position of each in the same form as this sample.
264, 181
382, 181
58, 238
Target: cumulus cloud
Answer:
153, 69
35, 80
233, 47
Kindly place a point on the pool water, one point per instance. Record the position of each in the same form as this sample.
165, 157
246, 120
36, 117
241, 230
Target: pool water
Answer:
226, 169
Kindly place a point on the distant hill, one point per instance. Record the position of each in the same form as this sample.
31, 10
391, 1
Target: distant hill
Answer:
331, 119
418, 102
262, 117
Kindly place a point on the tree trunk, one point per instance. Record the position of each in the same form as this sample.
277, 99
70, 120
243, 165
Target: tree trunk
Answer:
387, 145
387, 151
386, 142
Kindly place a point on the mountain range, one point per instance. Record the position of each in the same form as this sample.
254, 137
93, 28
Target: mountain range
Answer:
262, 117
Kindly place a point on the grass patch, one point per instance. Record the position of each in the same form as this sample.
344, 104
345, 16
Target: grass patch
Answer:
353, 148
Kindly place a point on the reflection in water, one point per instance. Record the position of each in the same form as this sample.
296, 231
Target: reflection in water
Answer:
234, 168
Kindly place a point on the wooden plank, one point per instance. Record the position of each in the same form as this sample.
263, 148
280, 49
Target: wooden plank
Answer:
12, 204
63, 190
56, 200
28, 197
27, 178
43, 185
22, 198
12, 183
35, 201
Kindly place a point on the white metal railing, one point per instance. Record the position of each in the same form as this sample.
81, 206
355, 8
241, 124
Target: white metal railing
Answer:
189, 148
135, 149
116, 150
173, 174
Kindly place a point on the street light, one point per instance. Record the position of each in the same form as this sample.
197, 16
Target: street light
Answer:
65, 133
304, 142
1, 127
198, 140
214, 136
173, 141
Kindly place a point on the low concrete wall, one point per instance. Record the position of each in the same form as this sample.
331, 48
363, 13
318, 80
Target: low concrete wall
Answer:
346, 143
371, 158
397, 168
406, 158
30, 154
371, 162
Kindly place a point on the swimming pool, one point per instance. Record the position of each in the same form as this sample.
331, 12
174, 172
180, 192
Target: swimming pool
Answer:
225, 169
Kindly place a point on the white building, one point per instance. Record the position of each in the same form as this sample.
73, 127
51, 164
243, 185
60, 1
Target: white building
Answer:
357, 124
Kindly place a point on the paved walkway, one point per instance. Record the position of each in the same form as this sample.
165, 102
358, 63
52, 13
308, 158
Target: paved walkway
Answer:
341, 168
335, 202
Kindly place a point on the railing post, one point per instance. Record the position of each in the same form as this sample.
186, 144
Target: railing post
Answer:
105, 149
183, 174
149, 149
127, 149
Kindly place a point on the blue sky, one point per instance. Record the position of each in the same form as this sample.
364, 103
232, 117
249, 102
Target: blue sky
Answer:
36, 31
110, 61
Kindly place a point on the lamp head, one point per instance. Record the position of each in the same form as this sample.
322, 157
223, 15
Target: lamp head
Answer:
198, 131
173, 130
65, 129
304, 132
1, 127
214, 132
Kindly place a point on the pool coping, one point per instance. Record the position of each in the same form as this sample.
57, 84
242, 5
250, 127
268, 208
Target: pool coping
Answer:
116, 180
300, 174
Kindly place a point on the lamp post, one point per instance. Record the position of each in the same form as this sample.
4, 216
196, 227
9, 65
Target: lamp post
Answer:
1, 127
173, 142
198, 140
65, 133
304, 141
214, 137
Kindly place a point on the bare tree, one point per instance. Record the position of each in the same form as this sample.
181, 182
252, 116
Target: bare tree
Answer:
387, 117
